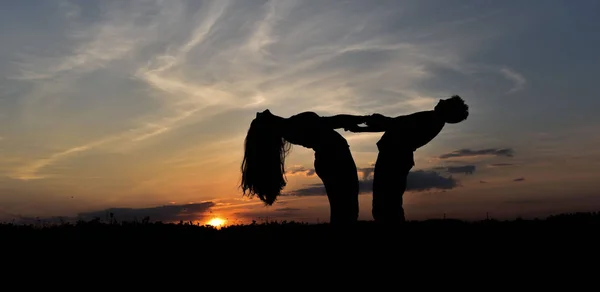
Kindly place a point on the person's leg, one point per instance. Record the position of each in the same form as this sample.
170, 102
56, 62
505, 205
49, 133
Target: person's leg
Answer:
345, 189
343, 204
340, 178
406, 164
379, 183
389, 185
395, 201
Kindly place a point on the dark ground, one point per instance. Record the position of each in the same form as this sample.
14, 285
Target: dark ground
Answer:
575, 226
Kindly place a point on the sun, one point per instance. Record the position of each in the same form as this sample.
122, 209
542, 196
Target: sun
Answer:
216, 222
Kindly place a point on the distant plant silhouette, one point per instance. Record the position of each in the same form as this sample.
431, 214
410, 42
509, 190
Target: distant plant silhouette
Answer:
584, 223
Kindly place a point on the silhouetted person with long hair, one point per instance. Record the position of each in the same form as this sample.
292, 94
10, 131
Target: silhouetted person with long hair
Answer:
268, 142
404, 135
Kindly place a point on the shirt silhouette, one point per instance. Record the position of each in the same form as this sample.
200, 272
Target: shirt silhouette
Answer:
404, 135
267, 145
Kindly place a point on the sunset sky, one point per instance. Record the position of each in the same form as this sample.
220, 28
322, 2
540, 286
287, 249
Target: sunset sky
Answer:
141, 107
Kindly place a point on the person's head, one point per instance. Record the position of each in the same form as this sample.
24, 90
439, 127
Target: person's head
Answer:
265, 150
453, 109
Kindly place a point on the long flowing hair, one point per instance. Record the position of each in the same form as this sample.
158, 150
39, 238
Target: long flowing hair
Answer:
263, 166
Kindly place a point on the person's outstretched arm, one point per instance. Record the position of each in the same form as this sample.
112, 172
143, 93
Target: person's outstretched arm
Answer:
344, 121
379, 122
359, 129
375, 123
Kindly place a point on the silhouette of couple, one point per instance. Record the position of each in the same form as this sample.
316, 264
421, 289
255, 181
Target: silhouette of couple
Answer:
270, 137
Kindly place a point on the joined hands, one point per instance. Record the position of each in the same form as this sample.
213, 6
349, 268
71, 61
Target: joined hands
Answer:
369, 120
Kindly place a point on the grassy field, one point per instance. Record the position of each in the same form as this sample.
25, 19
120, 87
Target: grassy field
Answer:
575, 225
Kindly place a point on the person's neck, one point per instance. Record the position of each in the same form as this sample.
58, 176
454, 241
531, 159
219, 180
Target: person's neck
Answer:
277, 119
439, 116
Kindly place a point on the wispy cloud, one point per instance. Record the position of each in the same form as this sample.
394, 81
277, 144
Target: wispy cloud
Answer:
31, 170
518, 79
117, 35
122, 35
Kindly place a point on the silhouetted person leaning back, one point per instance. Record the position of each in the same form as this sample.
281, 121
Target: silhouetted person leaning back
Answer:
404, 135
268, 142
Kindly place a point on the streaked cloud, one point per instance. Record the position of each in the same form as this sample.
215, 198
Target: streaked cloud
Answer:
500, 164
465, 169
507, 152
518, 79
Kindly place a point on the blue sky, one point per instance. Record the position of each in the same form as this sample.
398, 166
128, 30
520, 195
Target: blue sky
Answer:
142, 104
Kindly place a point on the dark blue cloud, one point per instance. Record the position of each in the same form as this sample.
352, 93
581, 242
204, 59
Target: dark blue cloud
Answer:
167, 213
507, 152
465, 169
418, 181
185, 212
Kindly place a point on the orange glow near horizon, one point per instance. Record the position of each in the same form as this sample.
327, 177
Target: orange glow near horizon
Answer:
216, 222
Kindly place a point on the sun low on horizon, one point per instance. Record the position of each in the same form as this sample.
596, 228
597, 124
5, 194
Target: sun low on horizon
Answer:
216, 222
140, 108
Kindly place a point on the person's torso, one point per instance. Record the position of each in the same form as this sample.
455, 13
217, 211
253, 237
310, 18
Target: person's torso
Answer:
305, 129
412, 132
